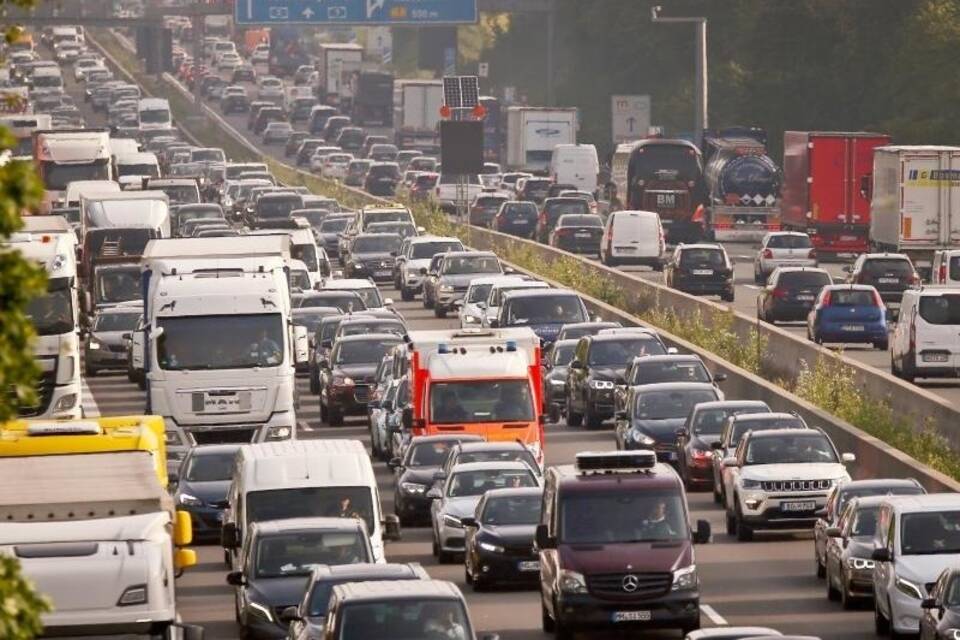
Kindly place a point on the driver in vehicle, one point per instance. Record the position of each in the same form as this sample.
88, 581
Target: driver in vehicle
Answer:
657, 525
441, 623
267, 350
449, 409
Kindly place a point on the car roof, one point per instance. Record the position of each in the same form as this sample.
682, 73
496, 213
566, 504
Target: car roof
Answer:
766, 415
467, 254
428, 238
286, 525
849, 287
675, 386
364, 571
490, 466
469, 447
671, 357
378, 591
783, 270
700, 245
540, 293
465, 437
347, 284
364, 337
507, 492
728, 404
878, 483
930, 502
776, 433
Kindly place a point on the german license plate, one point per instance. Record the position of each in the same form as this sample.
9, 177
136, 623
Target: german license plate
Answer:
888, 280
806, 505
703, 272
529, 565
852, 327
631, 616
582, 235
807, 298
935, 357
519, 222
226, 403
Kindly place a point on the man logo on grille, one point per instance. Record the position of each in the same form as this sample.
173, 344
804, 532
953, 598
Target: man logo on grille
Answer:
630, 583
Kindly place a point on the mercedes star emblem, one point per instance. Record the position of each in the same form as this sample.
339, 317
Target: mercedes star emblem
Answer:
630, 583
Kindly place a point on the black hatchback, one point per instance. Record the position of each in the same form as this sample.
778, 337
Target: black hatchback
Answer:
701, 269
382, 179
578, 233
889, 273
790, 293
516, 218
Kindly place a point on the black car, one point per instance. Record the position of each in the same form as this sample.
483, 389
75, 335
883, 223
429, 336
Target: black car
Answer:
234, 102
507, 451
498, 542
201, 489
244, 73
534, 190
849, 550
330, 230
578, 233
306, 149
382, 179
696, 437
555, 379
941, 611
517, 219
350, 139
599, 363
666, 367
332, 128
357, 172
294, 140
889, 273
701, 269
416, 471
790, 293
372, 256
346, 377
265, 116
551, 211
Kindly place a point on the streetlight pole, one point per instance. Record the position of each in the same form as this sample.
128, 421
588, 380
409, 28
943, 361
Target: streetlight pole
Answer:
700, 120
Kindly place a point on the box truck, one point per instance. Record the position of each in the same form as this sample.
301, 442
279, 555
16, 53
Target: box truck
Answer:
416, 114
533, 132
336, 64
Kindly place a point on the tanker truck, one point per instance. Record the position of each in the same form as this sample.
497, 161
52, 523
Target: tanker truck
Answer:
743, 184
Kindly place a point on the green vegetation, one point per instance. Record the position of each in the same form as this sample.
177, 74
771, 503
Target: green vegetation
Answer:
20, 605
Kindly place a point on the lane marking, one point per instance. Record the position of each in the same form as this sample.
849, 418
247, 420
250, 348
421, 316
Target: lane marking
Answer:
88, 402
715, 617
751, 286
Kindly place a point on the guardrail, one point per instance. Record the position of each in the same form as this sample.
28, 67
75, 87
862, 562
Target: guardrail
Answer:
785, 353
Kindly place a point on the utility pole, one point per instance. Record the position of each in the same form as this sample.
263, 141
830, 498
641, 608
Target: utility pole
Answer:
551, 37
700, 120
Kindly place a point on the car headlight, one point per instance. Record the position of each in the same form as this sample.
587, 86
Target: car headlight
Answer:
452, 521
66, 402
471, 319
413, 273
190, 501
860, 563
642, 439
571, 582
953, 634
261, 611
557, 383
747, 483
601, 384
413, 487
94, 345
278, 433
346, 381
685, 578
908, 588
446, 287
492, 548
136, 594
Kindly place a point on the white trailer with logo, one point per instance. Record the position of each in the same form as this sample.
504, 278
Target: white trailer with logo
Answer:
533, 132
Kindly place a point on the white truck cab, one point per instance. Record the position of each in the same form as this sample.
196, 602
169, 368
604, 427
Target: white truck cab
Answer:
55, 318
208, 383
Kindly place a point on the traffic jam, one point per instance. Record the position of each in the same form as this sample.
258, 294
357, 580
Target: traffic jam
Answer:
269, 413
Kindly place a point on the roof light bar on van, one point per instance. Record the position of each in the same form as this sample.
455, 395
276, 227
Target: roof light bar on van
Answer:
74, 428
615, 461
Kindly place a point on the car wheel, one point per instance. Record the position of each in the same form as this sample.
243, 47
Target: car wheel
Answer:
744, 532
314, 381
727, 297
717, 496
609, 261
334, 418
880, 623
883, 345
574, 419
731, 523
405, 294
757, 276
546, 622
832, 594
846, 600
592, 421
467, 578
553, 413
821, 569
436, 546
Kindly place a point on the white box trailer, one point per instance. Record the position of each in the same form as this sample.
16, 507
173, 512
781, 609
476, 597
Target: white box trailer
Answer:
915, 201
533, 132
416, 114
336, 64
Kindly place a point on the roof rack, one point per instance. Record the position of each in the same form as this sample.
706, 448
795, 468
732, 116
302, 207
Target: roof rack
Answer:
606, 462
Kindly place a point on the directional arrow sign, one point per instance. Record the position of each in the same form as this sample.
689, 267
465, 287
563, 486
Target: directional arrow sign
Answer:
630, 117
358, 12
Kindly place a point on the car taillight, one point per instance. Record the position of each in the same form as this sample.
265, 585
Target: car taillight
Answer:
779, 292
913, 337
915, 279
768, 254
942, 273
878, 301
826, 299
813, 254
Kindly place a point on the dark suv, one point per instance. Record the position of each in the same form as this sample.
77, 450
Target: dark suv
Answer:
517, 219
616, 546
552, 209
790, 293
890, 273
372, 256
382, 178
346, 378
701, 269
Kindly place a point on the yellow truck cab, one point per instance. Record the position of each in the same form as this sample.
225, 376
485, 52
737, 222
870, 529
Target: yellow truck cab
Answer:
21, 438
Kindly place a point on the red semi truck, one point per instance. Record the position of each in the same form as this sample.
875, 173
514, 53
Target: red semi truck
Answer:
826, 187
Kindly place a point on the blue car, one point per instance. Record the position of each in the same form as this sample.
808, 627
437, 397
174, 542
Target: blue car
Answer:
202, 487
849, 313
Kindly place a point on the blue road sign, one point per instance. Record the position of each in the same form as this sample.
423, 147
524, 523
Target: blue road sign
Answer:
356, 12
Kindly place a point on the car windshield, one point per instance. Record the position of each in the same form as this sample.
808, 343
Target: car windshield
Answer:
563, 354
52, 312
210, 467
345, 301
942, 309
334, 225
362, 351
930, 533
861, 492
512, 510
373, 326
376, 244
709, 422
789, 242
277, 207
545, 310
887, 267
429, 454
116, 321
619, 353
513, 454
852, 298
311, 502
199, 342
623, 517
478, 482
702, 257
478, 293
118, 286
424, 250
491, 401
670, 405
462, 265
864, 523
790, 449
669, 371
405, 619
295, 554
740, 427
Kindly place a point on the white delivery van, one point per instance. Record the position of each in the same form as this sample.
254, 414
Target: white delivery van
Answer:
926, 340
946, 267
141, 163
633, 237
305, 479
575, 164
154, 113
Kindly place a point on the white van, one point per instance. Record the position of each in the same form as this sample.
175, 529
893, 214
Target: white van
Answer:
633, 237
303, 247
305, 479
154, 113
946, 267
926, 340
142, 163
575, 164
46, 78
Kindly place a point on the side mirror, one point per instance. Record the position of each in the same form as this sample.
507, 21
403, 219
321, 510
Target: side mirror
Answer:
509, 270
672, 351
719, 377
716, 446
620, 415
439, 475
494, 323
230, 536
543, 539
434, 493
394, 463
575, 364
235, 578
682, 433
481, 305
423, 271
290, 614
702, 533
126, 336
833, 532
881, 555
928, 603
620, 381
407, 418
729, 462
388, 302
848, 458
182, 529
391, 528
469, 521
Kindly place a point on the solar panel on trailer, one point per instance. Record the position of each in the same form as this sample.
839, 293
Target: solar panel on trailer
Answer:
469, 91
451, 92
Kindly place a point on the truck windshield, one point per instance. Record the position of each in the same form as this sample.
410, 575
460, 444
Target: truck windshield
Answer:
52, 313
481, 401
295, 554
619, 353
199, 342
665, 162
623, 517
56, 177
116, 285
311, 502
403, 619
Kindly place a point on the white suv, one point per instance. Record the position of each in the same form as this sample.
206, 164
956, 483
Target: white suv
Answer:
783, 249
926, 340
917, 537
780, 479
